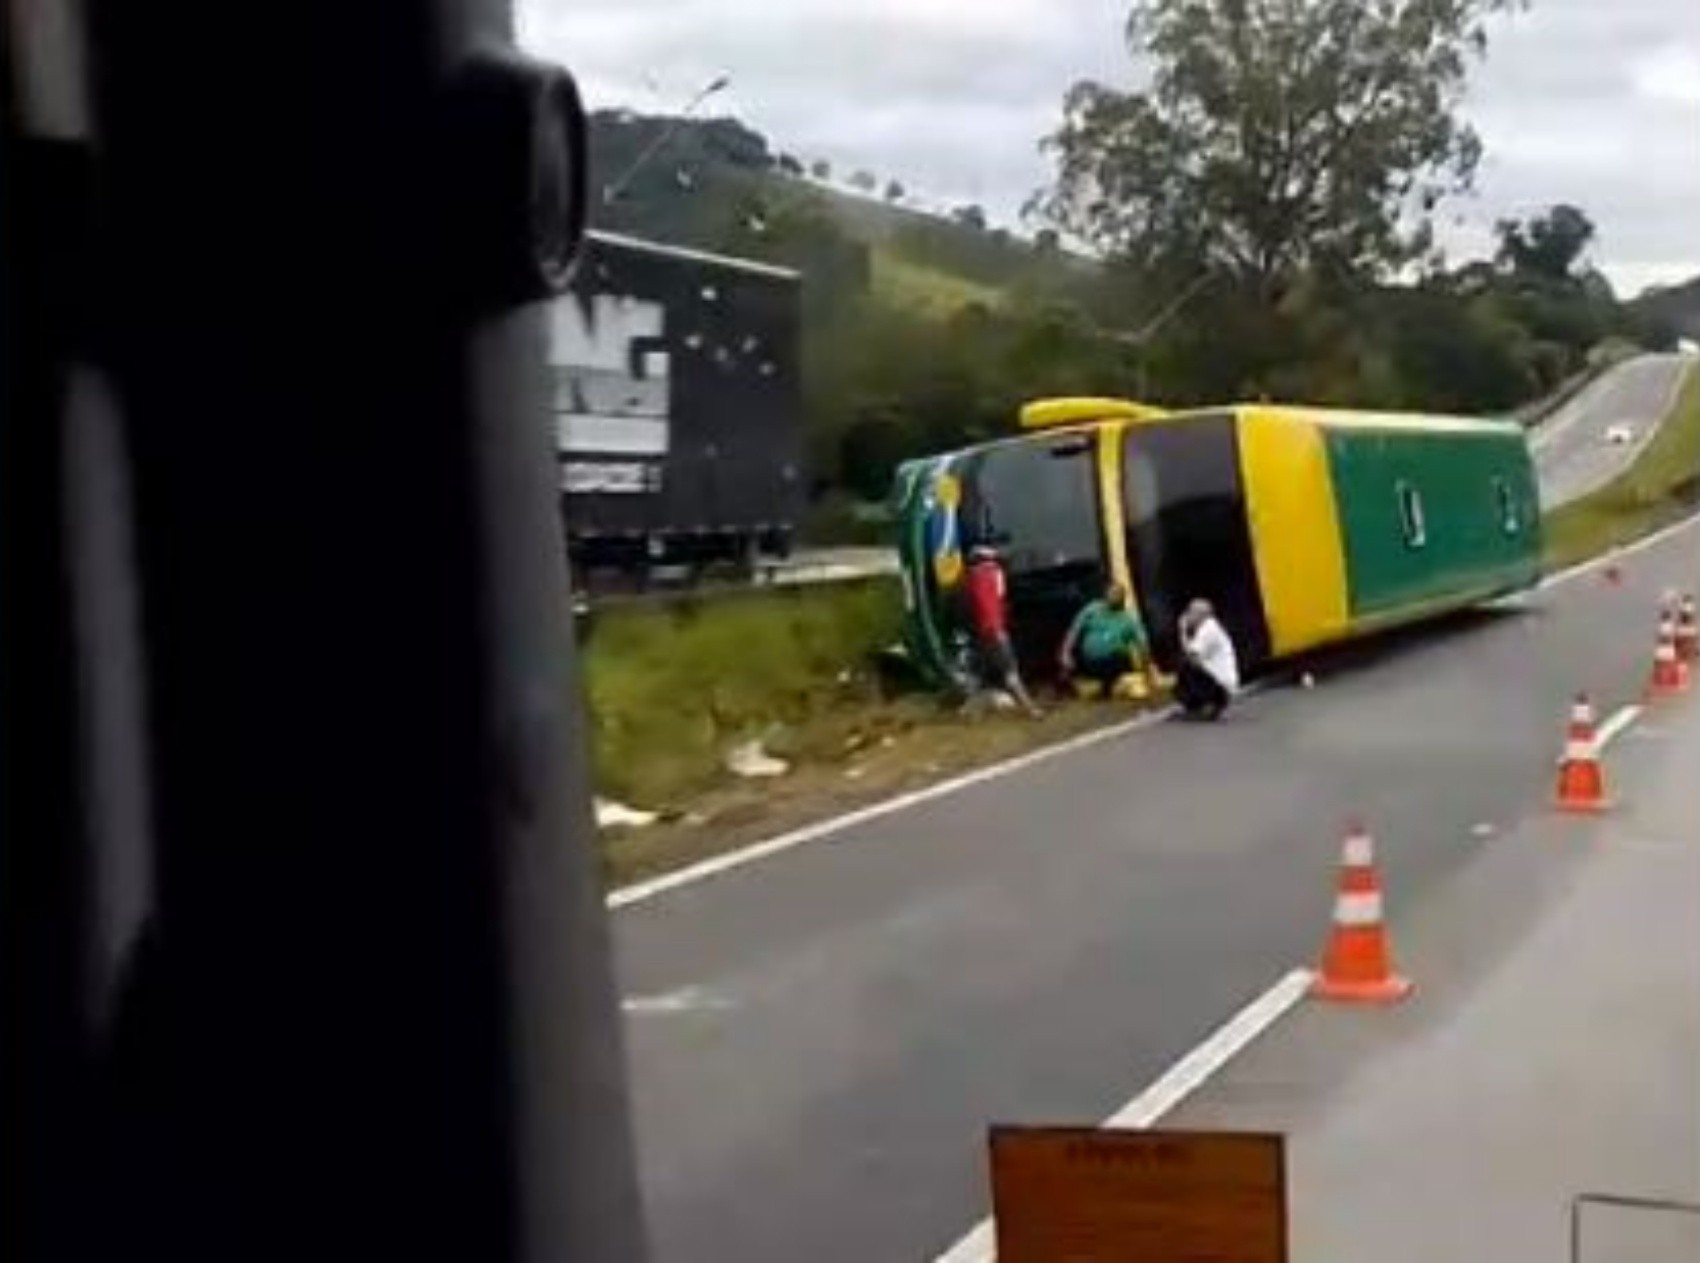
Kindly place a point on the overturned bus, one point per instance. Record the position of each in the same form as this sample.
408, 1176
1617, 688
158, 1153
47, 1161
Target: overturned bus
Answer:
1303, 526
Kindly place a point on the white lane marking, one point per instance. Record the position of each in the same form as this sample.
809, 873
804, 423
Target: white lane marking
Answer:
1614, 727
684, 1000
1180, 1081
1648, 732
1607, 733
638, 892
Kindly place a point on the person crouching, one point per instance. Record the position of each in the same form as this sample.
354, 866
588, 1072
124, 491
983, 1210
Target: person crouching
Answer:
1209, 671
1105, 643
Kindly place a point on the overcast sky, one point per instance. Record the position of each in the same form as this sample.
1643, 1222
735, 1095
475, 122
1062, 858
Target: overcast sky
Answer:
1591, 101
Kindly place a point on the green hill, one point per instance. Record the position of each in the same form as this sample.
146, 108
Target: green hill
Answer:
715, 184
1674, 306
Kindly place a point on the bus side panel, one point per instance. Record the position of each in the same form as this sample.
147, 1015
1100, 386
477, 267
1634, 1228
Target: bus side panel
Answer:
1295, 531
1470, 548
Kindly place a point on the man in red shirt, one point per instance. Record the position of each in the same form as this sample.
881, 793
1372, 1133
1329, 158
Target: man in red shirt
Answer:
988, 614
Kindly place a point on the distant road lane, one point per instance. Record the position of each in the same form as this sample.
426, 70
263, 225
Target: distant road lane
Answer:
1573, 451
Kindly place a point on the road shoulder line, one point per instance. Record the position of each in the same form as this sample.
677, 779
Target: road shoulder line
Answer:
1177, 1083
638, 892
1617, 725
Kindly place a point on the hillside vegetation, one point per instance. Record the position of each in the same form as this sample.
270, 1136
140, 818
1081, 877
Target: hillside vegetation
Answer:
1207, 282
1676, 307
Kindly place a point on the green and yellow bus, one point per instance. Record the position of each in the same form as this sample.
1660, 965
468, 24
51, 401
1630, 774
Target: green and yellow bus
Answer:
1304, 526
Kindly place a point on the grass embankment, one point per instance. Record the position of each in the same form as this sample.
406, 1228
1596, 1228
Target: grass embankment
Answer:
1661, 485
918, 287
672, 687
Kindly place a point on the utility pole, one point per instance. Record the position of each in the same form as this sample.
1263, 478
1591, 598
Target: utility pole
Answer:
1155, 325
612, 192
303, 948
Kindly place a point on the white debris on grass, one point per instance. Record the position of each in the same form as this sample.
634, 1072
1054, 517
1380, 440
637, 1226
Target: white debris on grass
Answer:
750, 761
616, 815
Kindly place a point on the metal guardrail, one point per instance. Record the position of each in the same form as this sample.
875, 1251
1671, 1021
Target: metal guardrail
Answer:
1619, 1202
792, 575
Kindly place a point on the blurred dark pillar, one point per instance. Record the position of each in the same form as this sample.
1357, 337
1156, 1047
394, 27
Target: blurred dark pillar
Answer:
301, 938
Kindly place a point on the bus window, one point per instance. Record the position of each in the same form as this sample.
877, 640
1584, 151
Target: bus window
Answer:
1411, 515
1036, 500
1509, 520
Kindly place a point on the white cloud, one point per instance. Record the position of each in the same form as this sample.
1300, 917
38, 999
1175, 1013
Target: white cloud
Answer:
1670, 75
1580, 100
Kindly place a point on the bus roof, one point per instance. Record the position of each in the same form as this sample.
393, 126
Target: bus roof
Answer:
1042, 414
1350, 419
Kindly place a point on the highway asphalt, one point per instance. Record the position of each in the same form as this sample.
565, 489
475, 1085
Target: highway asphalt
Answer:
819, 1040
1556, 1061
1571, 447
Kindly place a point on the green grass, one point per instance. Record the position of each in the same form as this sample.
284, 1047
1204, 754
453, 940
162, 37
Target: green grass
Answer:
671, 686
1660, 486
916, 286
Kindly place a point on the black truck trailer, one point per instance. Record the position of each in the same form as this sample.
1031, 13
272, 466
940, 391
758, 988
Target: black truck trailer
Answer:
677, 407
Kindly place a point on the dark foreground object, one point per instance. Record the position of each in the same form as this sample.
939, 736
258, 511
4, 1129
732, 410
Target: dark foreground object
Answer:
301, 950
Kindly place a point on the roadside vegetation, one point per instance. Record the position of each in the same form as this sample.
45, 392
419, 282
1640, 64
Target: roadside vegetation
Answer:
672, 686
1661, 486
1154, 265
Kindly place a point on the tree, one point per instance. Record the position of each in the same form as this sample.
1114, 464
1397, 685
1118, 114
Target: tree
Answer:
821, 169
970, 217
864, 180
731, 142
894, 192
1274, 135
1047, 241
1548, 246
789, 165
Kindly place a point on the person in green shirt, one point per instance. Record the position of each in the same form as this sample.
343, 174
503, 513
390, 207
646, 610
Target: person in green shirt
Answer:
1105, 642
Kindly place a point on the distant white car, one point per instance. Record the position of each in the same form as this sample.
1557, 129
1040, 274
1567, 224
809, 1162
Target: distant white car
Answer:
1619, 435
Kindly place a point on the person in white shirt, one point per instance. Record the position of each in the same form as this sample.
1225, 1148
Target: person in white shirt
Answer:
1209, 673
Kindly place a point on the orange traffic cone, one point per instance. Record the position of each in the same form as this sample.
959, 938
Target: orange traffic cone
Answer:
1358, 965
1669, 675
1581, 779
1687, 631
